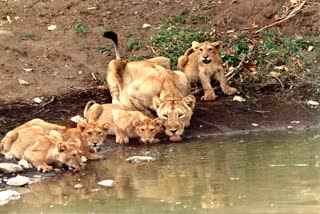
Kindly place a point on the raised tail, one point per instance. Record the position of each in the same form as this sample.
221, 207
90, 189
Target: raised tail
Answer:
189, 51
114, 37
88, 105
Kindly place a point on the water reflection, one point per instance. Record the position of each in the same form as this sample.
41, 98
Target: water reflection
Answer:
275, 172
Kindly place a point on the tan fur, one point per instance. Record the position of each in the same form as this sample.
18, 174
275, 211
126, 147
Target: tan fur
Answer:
143, 85
41, 150
125, 123
86, 136
204, 65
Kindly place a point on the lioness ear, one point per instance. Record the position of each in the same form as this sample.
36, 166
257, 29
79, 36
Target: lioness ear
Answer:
190, 100
106, 126
157, 121
61, 147
136, 122
218, 45
195, 45
81, 125
156, 101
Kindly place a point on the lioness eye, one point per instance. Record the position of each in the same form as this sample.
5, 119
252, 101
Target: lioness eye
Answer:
180, 115
152, 130
99, 133
89, 133
74, 155
210, 49
165, 116
201, 49
142, 130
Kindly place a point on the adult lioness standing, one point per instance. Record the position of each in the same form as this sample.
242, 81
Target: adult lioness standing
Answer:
150, 86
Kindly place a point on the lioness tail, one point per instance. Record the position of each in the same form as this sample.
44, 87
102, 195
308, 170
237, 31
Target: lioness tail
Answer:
114, 37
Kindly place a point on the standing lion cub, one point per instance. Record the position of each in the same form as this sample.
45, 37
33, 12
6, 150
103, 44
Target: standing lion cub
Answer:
204, 65
125, 123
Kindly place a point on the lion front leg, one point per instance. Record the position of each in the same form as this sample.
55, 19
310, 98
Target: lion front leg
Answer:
121, 136
206, 85
220, 76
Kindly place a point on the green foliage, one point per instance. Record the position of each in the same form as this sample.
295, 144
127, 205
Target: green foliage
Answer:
30, 35
80, 28
135, 44
175, 37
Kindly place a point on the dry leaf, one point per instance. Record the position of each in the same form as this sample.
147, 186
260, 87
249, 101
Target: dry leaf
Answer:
274, 74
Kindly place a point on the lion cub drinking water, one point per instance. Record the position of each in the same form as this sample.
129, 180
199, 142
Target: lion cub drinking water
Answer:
41, 150
203, 65
126, 124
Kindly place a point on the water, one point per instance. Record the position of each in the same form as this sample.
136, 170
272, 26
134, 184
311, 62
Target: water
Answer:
264, 173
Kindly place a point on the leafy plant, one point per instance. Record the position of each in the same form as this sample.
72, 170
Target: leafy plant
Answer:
135, 44
80, 28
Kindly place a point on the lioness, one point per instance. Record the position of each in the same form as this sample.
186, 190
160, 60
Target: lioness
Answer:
150, 86
203, 65
87, 136
43, 151
126, 124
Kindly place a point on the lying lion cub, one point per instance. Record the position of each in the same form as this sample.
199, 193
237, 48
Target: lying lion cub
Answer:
87, 136
43, 151
126, 124
204, 65
150, 86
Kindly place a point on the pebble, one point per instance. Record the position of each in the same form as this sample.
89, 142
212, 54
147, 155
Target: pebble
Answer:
10, 167
18, 181
106, 183
52, 27
7, 195
23, 82
25, 164
238, 98
78, 186
140, 159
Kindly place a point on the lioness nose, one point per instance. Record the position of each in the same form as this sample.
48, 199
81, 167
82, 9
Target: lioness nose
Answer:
173, 131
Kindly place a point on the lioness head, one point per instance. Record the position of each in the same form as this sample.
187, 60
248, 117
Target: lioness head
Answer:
207, 51
147, 129
68, 154
175, 114
93, 133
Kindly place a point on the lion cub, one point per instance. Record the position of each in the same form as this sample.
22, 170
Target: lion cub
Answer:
86, 136
203, 65
126, 124
43, 151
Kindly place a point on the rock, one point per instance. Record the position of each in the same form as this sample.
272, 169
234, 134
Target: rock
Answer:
106, 183
78, 186
146, 26
23, 82
52, 27
37, 100
10, 167
312, 103
18, 181
238, 98
25, 164
7, 195
140, 159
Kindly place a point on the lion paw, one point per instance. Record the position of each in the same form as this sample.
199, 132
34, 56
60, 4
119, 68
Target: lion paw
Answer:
44, 168
230, 91
209, 97
122, 139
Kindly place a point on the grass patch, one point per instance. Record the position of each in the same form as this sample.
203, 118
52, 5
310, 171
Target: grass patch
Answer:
80, 28
134, 44
30, 35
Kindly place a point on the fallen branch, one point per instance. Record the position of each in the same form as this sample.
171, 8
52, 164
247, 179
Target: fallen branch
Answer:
291, 14
47, 103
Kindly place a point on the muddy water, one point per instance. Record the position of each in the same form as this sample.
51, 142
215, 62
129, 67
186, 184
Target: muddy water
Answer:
264, 173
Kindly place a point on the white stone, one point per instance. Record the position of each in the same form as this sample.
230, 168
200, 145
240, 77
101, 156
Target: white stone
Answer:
23, 82
78, 186
10, 167
18, 181
25, 164
52, 27
7, 195
238, 98
146, 26
139, 159
254, 124
37, 100
313, 103
106, 183
28, 69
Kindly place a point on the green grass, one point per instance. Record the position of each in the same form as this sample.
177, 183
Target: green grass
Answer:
134, 44
30, 35
80, 28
